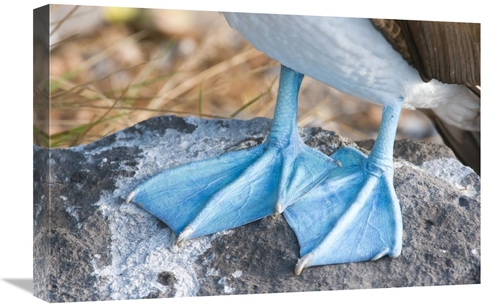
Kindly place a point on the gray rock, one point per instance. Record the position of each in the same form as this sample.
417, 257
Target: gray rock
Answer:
89, 245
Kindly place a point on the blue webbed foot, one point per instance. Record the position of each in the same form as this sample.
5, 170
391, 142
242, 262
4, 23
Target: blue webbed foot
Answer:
354, 214
177, 195
239, 187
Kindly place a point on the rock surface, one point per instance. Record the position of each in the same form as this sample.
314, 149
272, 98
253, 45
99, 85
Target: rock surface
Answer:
89, 245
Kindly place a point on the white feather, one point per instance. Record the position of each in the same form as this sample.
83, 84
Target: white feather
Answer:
350, 55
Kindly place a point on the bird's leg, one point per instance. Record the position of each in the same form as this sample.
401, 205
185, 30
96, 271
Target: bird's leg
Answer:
239, 187
354, 214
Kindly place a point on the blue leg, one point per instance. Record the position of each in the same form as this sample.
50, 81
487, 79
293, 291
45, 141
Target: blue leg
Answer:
354, 214
239, 187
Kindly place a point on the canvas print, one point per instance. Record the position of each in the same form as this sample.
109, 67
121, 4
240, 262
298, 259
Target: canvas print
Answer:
196, 153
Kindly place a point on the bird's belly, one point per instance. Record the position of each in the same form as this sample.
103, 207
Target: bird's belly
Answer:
348, 54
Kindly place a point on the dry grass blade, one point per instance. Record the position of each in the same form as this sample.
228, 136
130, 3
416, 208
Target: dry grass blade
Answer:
89, 92
249, 103
200, 100
310, 114
65, 18
129, 40
93, 123
67, 138
166, 94
42, 138
159, 111
238, 77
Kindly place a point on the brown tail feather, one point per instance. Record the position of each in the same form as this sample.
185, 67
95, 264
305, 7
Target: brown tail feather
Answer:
465, 144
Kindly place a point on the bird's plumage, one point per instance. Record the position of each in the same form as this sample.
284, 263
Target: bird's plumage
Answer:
431, 65
354, 57
446, 51
449, 52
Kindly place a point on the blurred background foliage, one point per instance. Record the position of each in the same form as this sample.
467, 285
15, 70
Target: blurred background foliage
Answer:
111, 68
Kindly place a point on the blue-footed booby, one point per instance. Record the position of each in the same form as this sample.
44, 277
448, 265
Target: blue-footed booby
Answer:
342, 208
